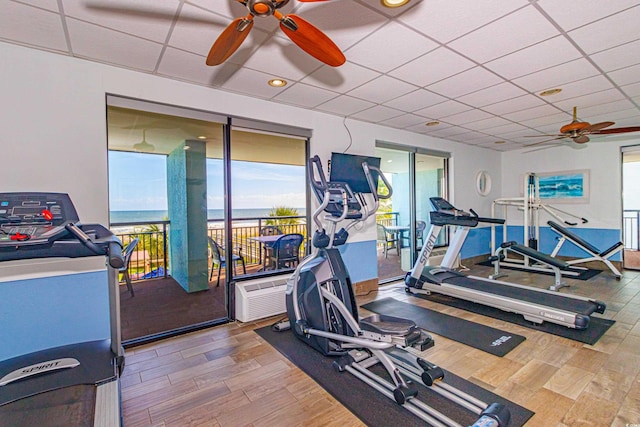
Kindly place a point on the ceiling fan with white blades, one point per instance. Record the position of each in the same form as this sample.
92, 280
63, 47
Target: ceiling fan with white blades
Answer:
301, 32
579, 131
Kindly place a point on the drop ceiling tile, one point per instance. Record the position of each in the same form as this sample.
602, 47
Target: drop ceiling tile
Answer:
609, 32
252, 83
149, 19
190, 67
377, 114
228, 9
492, 94
466, 82
446, 132
514, 104
545, 54
344, 105
390, 40
570, 14
382, 89
508, 128
631, 90
44, 4
344, 22
591, 99
342, 79
487, 123
618, 57
196, 30
443, 109
281, 58
604, 109
432, 67
626, 75
466, 117
518, 30
415, 100
403, 121
557, 76
544, 110
581, 87
435, 17
474, 138
32, 26
304, 95
112, 47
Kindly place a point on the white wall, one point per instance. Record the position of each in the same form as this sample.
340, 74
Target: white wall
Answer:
53, 128
601, 157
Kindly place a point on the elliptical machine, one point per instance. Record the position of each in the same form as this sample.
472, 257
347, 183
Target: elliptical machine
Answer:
323, 312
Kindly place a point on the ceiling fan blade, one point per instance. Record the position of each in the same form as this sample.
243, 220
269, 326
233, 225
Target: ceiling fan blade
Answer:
619, 130
230, 40
546, 140
597, 126
581, 139
311, 39
546, 147
543, 134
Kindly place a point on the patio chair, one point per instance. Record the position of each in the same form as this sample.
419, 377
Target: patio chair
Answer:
286, 251
388, 239
218, 259
126, 254
420, 227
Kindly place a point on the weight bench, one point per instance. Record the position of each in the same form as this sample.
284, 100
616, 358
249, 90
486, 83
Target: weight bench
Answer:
554, 264
596, 254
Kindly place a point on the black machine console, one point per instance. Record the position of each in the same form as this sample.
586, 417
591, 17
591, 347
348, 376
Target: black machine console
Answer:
44, 225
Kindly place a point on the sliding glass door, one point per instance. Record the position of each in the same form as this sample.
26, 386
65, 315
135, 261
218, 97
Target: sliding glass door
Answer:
403, 220
196, 200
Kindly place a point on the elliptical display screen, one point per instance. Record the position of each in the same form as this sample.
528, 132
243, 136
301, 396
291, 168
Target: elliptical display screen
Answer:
347, 168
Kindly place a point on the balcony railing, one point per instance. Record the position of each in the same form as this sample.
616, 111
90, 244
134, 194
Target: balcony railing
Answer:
630, 231
150, 259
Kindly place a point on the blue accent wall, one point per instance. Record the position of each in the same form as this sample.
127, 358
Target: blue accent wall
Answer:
479, 239
36, 314
361, 260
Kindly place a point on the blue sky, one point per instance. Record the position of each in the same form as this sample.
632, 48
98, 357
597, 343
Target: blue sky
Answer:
138, 182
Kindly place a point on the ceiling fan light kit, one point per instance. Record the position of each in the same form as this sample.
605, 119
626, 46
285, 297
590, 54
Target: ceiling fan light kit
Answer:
394, 3
306, 36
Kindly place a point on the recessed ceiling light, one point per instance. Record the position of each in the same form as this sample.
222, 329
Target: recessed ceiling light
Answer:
394, 3
550, 92
433, 123
277, 82
202, 137
499, 142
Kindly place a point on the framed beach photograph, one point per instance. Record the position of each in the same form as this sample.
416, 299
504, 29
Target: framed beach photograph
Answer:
565, 186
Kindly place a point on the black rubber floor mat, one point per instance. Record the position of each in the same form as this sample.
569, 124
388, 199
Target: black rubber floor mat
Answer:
485, 338
373, 408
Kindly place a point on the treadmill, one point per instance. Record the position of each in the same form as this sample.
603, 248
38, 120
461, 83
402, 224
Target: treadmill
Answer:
534, 304
73, 384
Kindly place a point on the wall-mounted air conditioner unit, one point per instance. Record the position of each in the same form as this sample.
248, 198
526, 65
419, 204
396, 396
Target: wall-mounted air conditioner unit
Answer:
438, 255
260, 298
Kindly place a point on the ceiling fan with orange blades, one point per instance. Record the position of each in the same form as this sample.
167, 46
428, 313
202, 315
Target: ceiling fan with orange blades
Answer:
579, 131
301, 32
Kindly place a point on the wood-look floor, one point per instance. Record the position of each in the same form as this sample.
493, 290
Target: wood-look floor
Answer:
228, 376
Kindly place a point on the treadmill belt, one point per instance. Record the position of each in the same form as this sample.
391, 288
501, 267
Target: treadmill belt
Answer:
64, 407
554, 300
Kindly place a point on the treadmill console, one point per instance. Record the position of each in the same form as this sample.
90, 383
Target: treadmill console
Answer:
34, 218
46, 225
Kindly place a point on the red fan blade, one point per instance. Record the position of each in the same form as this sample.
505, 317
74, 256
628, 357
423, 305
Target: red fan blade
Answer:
619, 130
597, 126
311, 40
230, 40
581, 139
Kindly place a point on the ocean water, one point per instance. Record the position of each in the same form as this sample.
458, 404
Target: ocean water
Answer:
161, 215
570, 186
